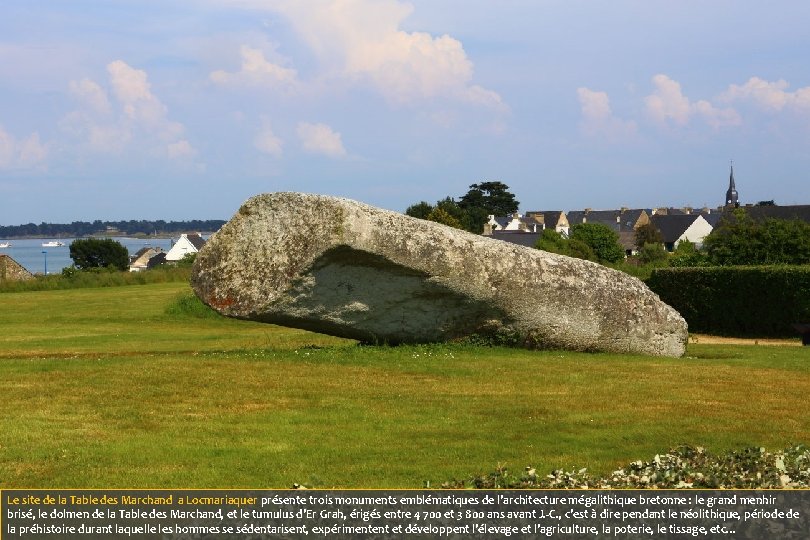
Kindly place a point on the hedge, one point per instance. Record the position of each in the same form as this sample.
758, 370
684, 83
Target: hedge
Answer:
751, 301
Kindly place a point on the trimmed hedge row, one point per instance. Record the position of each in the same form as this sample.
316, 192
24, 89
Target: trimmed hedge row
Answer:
751, 301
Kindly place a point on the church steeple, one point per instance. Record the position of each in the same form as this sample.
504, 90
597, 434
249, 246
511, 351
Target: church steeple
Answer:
731, 194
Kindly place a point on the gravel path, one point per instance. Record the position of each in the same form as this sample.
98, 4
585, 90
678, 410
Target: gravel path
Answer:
718, 340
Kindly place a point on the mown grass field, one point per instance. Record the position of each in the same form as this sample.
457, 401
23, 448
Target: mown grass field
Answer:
124, 387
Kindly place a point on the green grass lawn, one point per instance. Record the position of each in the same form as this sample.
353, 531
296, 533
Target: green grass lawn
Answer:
117, 387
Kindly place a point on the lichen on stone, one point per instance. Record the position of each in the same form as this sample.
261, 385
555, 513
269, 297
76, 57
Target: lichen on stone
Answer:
309, 261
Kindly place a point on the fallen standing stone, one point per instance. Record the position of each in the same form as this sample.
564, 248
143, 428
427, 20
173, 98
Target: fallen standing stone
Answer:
344, 268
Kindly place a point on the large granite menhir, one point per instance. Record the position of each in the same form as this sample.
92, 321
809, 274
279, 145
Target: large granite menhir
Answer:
344, 268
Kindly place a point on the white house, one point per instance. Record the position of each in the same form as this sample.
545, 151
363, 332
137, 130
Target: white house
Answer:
677, 228
140, 261
696, 232
187, 244
515, 222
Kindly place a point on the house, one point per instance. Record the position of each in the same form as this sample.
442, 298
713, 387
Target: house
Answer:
664, 211
157, 260
515, 222
534, 222
140, 261
185, 245
623, 222
524, 230
521, 238
551, 219
760, 213
626, 218
11, 270
675, 228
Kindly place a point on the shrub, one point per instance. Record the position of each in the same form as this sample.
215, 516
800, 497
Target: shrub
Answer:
601, 239
653, 253
99, 253
738, 239
553, 242
682, 467
647, 234
737, 300
687, 254
71, 278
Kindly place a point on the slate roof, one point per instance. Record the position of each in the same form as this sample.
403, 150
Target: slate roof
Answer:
521, 238
502, 221
713, 218
196, 240
144, 250
617, 220
526, 223
158, 259
550, 217
672, 226
141, 258
758, 213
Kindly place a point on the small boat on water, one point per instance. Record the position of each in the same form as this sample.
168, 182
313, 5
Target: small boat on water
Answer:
53, 243
5, 244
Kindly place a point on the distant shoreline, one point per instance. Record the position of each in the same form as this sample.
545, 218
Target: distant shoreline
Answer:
140, 236
140, 229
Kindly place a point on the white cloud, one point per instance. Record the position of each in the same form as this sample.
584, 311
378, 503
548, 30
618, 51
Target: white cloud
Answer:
133, 91
257, 70
717, 117
481, 96
181, 149
321, 139
31, 151
267, 142
136, 117
361, 40
770, 95
92, 95
668, 104
598, 119
28, 153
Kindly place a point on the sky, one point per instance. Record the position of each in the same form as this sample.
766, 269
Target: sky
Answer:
175, 110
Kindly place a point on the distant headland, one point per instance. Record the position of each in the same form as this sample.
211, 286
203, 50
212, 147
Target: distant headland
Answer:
131, 228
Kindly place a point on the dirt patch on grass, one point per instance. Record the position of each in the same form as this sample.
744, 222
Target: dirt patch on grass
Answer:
719, 340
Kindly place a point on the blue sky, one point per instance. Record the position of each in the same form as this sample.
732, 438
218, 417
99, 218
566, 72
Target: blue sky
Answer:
165, 109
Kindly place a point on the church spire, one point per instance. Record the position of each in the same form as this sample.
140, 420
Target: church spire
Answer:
731, 194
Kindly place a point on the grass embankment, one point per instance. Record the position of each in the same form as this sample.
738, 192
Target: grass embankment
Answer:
101, 277
127, 387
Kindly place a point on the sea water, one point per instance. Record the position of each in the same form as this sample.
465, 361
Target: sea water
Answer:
32, 255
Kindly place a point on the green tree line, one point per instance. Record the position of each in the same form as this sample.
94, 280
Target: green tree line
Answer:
737, 240
471, 210
131, 227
